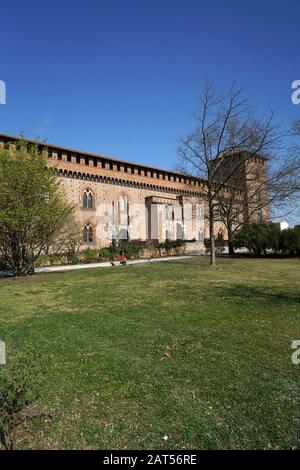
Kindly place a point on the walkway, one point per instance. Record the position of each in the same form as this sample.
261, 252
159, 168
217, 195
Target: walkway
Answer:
105, 264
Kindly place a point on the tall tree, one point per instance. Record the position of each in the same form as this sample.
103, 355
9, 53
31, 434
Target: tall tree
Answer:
279, 189
226, 126
274, 188
32, 207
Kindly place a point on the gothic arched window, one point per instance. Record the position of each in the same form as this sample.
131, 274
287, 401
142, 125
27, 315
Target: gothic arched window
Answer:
122, 204
88, 234
88, 199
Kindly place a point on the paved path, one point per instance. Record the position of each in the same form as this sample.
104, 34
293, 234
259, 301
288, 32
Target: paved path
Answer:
105, 264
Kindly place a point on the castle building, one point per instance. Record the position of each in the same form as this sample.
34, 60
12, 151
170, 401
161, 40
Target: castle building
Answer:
118, 199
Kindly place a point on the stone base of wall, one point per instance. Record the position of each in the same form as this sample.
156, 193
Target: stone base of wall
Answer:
194, 247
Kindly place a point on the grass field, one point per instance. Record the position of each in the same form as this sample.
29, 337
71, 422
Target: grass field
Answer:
170, 355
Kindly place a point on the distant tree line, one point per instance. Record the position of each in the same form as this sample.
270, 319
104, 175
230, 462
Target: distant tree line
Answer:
260, 238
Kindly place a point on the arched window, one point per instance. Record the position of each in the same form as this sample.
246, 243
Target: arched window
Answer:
87, 199
88, 234
122, 204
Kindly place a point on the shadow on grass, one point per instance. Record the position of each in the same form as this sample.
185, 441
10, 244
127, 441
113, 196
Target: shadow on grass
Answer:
241, 293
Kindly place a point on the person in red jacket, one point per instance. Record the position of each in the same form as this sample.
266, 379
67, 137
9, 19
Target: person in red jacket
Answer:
122, 258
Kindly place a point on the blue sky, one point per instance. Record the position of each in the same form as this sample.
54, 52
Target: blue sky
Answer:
123, 77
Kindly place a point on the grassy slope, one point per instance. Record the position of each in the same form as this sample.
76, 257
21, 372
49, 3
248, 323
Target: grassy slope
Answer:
173, 349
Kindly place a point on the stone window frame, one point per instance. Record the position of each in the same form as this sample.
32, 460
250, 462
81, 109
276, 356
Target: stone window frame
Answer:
89, 225
92, 193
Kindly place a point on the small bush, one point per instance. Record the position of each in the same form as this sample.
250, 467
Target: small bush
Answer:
169, 245
57, 259
108, 253
18, 393
90, 255
43, 260
219, 245
131, 250
290, 241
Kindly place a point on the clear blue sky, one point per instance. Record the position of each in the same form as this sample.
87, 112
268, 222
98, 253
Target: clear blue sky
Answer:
123, 77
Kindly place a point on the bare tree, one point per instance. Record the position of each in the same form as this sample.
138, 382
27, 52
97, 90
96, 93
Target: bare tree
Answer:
68, 241
293, 172
252, 198
277, 187
226, 126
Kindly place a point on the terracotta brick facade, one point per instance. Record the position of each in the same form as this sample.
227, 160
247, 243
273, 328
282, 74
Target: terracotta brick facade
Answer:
128, 200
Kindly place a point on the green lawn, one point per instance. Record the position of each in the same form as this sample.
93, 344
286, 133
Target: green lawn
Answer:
177, 349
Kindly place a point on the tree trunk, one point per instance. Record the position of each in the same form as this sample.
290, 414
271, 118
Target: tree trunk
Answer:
230, 240
230, 248
212, 237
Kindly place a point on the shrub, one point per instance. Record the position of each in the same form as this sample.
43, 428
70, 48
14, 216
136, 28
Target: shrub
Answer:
131, 251
219, 245
169, 245
290, 241
178, 246
56, 259
90, 255
108, 253
257, 238
43, 260
18, 393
